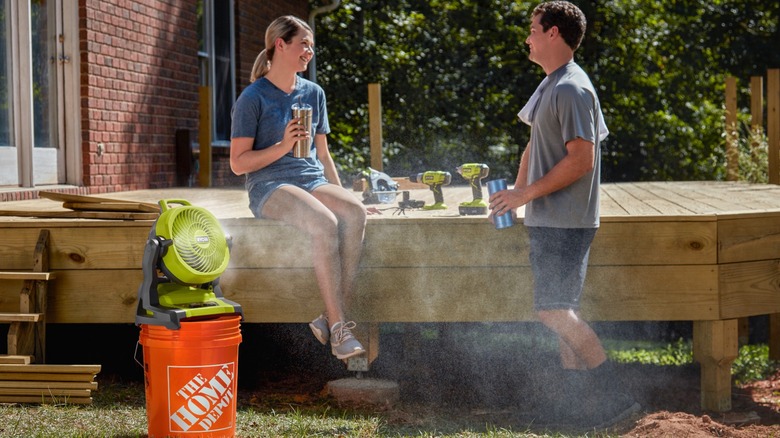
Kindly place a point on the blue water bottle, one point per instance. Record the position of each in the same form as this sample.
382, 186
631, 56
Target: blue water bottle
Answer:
504, 220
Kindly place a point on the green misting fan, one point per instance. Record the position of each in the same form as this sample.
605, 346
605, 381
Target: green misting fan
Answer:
185, 254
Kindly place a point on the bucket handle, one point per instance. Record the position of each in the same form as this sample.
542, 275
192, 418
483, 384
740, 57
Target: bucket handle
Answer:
135, 354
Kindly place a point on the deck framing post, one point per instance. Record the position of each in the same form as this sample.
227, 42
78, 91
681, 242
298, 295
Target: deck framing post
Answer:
773, 122
715, 348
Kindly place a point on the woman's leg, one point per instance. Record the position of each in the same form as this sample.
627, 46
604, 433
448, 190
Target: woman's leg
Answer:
351, 216
303, 211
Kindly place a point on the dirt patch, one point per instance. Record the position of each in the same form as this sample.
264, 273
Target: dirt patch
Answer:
445, 390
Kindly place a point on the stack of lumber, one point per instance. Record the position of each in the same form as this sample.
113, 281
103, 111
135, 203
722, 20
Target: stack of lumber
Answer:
90, 207
52, 384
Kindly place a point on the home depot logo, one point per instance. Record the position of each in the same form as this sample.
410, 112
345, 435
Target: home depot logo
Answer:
201, 398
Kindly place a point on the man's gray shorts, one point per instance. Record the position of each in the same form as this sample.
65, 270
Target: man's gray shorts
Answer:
559, 261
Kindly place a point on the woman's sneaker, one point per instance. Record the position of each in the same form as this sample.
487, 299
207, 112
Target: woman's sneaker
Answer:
343, 344
320, 329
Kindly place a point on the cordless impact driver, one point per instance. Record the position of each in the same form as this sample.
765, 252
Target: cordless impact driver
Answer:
434, 179
473, 173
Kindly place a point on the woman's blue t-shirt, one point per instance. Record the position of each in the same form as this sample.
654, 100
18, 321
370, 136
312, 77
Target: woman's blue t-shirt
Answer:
262, 112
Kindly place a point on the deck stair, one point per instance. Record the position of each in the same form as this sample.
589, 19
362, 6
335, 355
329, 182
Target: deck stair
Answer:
23, 376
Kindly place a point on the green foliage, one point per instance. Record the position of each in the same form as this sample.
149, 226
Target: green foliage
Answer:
455, 73
752, 362
674, 354
752, 153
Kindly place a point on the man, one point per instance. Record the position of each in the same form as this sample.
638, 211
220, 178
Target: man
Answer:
558, 182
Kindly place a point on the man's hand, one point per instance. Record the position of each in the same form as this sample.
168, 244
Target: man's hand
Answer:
508, 200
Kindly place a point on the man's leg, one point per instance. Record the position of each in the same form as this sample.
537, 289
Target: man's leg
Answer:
580, 347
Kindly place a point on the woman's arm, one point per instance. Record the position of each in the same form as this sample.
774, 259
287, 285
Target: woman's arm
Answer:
243, 159
323, 154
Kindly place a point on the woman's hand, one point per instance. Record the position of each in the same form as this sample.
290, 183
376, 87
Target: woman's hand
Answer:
292, 133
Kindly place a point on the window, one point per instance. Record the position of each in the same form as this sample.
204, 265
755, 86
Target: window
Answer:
217, 63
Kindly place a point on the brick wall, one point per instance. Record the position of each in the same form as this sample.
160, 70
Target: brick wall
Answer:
139, 84
252, 18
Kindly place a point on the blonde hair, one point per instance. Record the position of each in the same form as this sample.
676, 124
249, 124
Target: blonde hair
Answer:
285, 27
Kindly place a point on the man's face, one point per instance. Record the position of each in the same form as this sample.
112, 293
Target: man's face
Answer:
537, 41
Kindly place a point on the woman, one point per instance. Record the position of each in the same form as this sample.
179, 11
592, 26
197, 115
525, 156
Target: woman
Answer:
305, 193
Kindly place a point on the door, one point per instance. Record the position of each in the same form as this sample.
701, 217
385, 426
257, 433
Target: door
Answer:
32, 92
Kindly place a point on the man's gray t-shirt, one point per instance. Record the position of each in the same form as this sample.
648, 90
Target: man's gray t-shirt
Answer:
568, 108
262, 111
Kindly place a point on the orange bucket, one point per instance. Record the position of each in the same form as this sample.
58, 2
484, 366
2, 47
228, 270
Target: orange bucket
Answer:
191, 377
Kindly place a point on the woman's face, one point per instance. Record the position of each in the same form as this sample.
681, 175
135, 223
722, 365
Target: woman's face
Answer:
300, 50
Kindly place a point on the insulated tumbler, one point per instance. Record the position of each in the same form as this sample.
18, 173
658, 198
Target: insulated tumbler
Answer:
302, 112
504, 220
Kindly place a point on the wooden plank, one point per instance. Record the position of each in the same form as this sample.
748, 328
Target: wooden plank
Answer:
678, 194
46, 399
608, 206
455, 242
629, 203
721, 200
112, 206
15, 359
291, 295
749, 288
748, 238
655, 243
77, 247
45, 392
451, 295
81, 214
86, 199
50, 369
658, 199
47, 384
47, 377
20, 317
41, 276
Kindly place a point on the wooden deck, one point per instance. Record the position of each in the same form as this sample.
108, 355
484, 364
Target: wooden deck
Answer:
707, 252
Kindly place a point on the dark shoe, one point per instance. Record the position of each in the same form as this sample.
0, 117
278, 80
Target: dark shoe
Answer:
609, 401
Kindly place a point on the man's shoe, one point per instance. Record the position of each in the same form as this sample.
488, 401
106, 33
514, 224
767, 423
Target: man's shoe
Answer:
320, 329
343, 344
612, 409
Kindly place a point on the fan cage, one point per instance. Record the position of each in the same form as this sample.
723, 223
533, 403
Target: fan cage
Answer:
199, 245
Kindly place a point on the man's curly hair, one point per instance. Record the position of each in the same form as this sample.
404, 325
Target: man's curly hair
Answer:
567, 17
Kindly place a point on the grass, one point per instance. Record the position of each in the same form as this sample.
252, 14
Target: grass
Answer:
118, 409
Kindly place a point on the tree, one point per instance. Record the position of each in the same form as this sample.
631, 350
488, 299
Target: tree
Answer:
454, 74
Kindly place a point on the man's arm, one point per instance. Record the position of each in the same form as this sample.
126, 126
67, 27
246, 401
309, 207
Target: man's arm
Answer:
579, 160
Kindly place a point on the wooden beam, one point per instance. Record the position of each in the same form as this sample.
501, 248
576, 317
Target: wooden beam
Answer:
757, 102
773, 123
732, 133
42, 276
375, 124
20, 317
204, 137
715, 348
